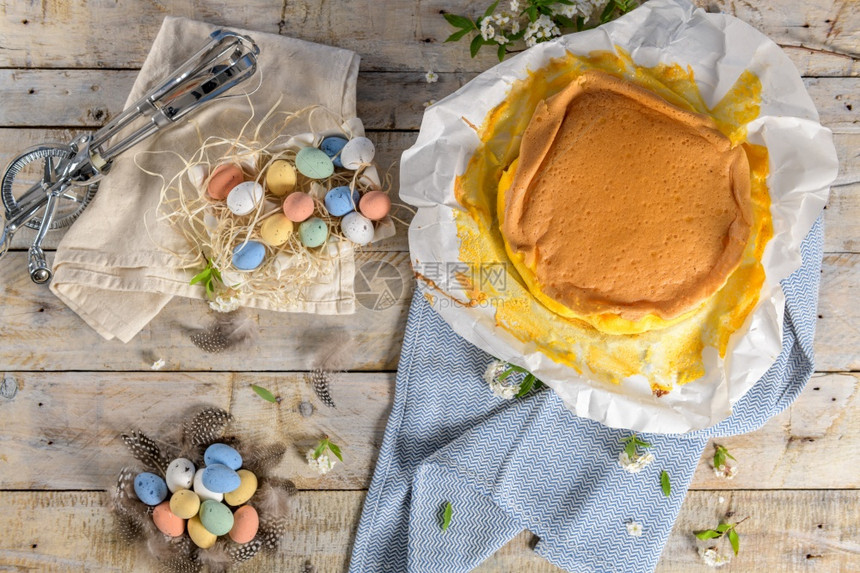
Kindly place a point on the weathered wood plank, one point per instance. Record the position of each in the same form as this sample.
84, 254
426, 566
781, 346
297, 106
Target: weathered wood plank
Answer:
408, 35
72, 420
389, 100
788, 531
40, 333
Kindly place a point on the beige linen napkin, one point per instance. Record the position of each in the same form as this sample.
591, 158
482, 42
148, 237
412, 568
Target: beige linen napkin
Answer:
114, 267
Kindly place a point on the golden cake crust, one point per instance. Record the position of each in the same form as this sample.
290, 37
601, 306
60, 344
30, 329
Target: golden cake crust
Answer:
624, 204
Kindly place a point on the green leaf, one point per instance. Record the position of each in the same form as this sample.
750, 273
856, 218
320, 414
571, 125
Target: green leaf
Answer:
501, 52
491, 8
630, 450
202, 276
476, 44
664, 483
734, 540
320, 448
457, 35
606, 16
526, 386
446, 516
335, 450
460, 22
642, 443
723, 527
264, 394
708, 534
532, 13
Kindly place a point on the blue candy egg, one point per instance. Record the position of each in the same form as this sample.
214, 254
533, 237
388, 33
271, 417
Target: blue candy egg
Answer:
223, 454
150, 488
218, 478
332, 146
338, 201
248, 256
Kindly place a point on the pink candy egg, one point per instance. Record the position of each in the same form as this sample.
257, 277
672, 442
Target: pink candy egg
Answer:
166, 521
375, 205
298, 206
246, 522
223, 180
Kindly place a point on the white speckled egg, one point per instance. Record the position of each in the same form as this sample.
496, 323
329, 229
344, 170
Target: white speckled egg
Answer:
180, 474
357, 228
244, 197
357, 152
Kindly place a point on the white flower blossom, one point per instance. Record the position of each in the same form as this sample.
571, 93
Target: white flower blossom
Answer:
541, 29
712, 557
221, 304
634, 528
431, 77
487, 31
726, 471
500, 388
637, 464
515, 6
158, 364
323, 464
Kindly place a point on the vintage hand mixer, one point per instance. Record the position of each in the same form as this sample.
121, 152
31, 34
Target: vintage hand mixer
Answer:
67, 175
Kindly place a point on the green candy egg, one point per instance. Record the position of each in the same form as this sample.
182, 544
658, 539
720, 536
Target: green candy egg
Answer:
314, 163
313, 232
216, 517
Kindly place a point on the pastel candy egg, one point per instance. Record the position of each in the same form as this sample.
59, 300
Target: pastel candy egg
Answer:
180, 474
313, 232
216, 517
357, 152
313, 163
248, 256
150, 488
219, 478
223, 454
340, 201
184, 503
357, 228
332, 147
166, 521
280, 178
247, 488
375, 205
298, 206
246, 522
202, 491
201, 537
225, 178
244, 197
276, 230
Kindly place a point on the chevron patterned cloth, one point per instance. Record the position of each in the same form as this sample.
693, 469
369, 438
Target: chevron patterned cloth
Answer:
531, 464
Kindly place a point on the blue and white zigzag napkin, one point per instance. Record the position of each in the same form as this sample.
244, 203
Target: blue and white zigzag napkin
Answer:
531, 464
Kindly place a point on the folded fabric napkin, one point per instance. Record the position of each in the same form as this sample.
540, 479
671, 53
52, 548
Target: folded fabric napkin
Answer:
116, 266
531, 464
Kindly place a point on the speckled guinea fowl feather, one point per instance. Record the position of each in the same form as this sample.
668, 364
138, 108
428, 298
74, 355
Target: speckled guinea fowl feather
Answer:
230, 330
320, 380
260, 460
206, 426
246, 551
146, 451
179, 565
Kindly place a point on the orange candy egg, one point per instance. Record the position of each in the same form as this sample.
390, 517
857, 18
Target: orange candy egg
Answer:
166, 521
223, 179
246, 522
298, 206
375, 205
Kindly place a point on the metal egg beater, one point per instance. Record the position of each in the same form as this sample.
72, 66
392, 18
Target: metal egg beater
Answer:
49, 185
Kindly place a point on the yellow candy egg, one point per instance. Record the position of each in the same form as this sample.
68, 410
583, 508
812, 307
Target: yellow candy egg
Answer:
199, 534
276, 230
247, 487
185, 503
280, 178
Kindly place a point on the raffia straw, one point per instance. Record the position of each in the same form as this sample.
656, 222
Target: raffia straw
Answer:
185, 206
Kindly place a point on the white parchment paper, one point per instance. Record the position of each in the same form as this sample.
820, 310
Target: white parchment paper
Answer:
802, 160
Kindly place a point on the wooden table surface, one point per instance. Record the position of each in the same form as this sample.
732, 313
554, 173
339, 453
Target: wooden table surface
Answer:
66, 66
